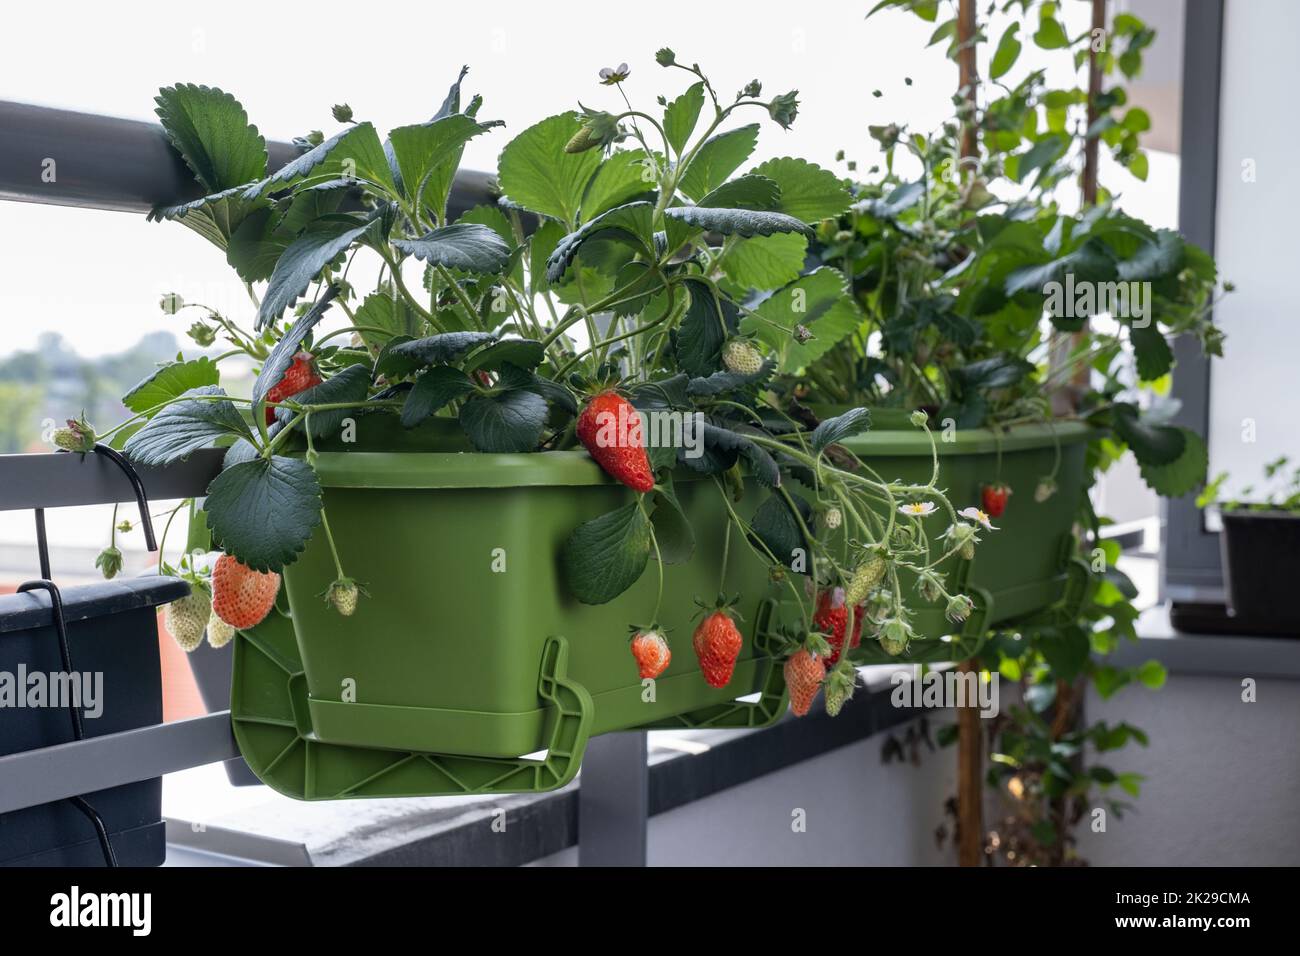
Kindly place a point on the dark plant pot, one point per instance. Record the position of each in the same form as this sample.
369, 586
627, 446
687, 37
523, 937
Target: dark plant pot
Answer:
211, 669
1261, 552
112, 630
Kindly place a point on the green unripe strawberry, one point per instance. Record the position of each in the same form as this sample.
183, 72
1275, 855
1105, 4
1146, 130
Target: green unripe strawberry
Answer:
187, 617
342, 594
109, 562
741, 357
866, 577
77, 435
839, 687
219, 632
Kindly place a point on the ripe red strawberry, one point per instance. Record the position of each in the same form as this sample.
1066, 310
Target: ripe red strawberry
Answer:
300, 376
609, 428
832, 618
717, 645
994, 498
804, 672
650, 648
241, 596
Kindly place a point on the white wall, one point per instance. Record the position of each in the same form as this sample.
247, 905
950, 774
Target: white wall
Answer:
1223, 776
1256, 245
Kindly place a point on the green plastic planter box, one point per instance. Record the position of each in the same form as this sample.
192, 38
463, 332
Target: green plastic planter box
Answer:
1022, 568
469, 654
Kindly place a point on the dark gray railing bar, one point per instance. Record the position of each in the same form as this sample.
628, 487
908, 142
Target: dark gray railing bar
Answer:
104, 162
33, 777
63, 480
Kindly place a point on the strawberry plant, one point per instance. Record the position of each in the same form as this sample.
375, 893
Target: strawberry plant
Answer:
632, 271
990, 305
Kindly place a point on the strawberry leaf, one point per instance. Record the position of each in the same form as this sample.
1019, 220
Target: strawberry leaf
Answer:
348, 385
171, 381
718, 158
405, 357
507, 420
211, 131
465, 246
840, 427
301, 262
263, 511
775, 527
186, 426
432, 391
739, 222
1152, 444
281, 357
605, 556
702, 332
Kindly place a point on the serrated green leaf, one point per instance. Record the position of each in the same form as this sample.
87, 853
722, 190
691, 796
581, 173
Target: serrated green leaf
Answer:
281, 357
355, 153
170, 381
832, 430
604, 557
260, 238
1154, 260
264, 511
777, 529
1066, 651
702, 331
504, 422
1154, 356
738, 222
436, 349
215, 217
350, 384
837, 323
766, 262
467, 247
536, 172
301, 263
1091, 262
1151, 444
521, 353
540, 246
427, 154
745, 192
386, 316
681, 115
433, 391
808, 192
620, 178
186, 426
630, 224
211, 131
718, 158
802, 302
1183, 475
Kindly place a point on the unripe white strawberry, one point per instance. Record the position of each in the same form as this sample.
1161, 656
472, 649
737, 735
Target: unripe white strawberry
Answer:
219, 632
187, 617
741, 357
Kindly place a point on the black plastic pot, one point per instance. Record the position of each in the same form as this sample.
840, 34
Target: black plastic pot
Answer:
1261, 566
112, 630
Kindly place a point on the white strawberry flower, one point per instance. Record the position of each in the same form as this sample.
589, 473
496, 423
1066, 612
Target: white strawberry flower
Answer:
917, 509
979, 517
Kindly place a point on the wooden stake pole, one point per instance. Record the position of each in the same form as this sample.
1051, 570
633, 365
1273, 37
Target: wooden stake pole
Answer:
970, 751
